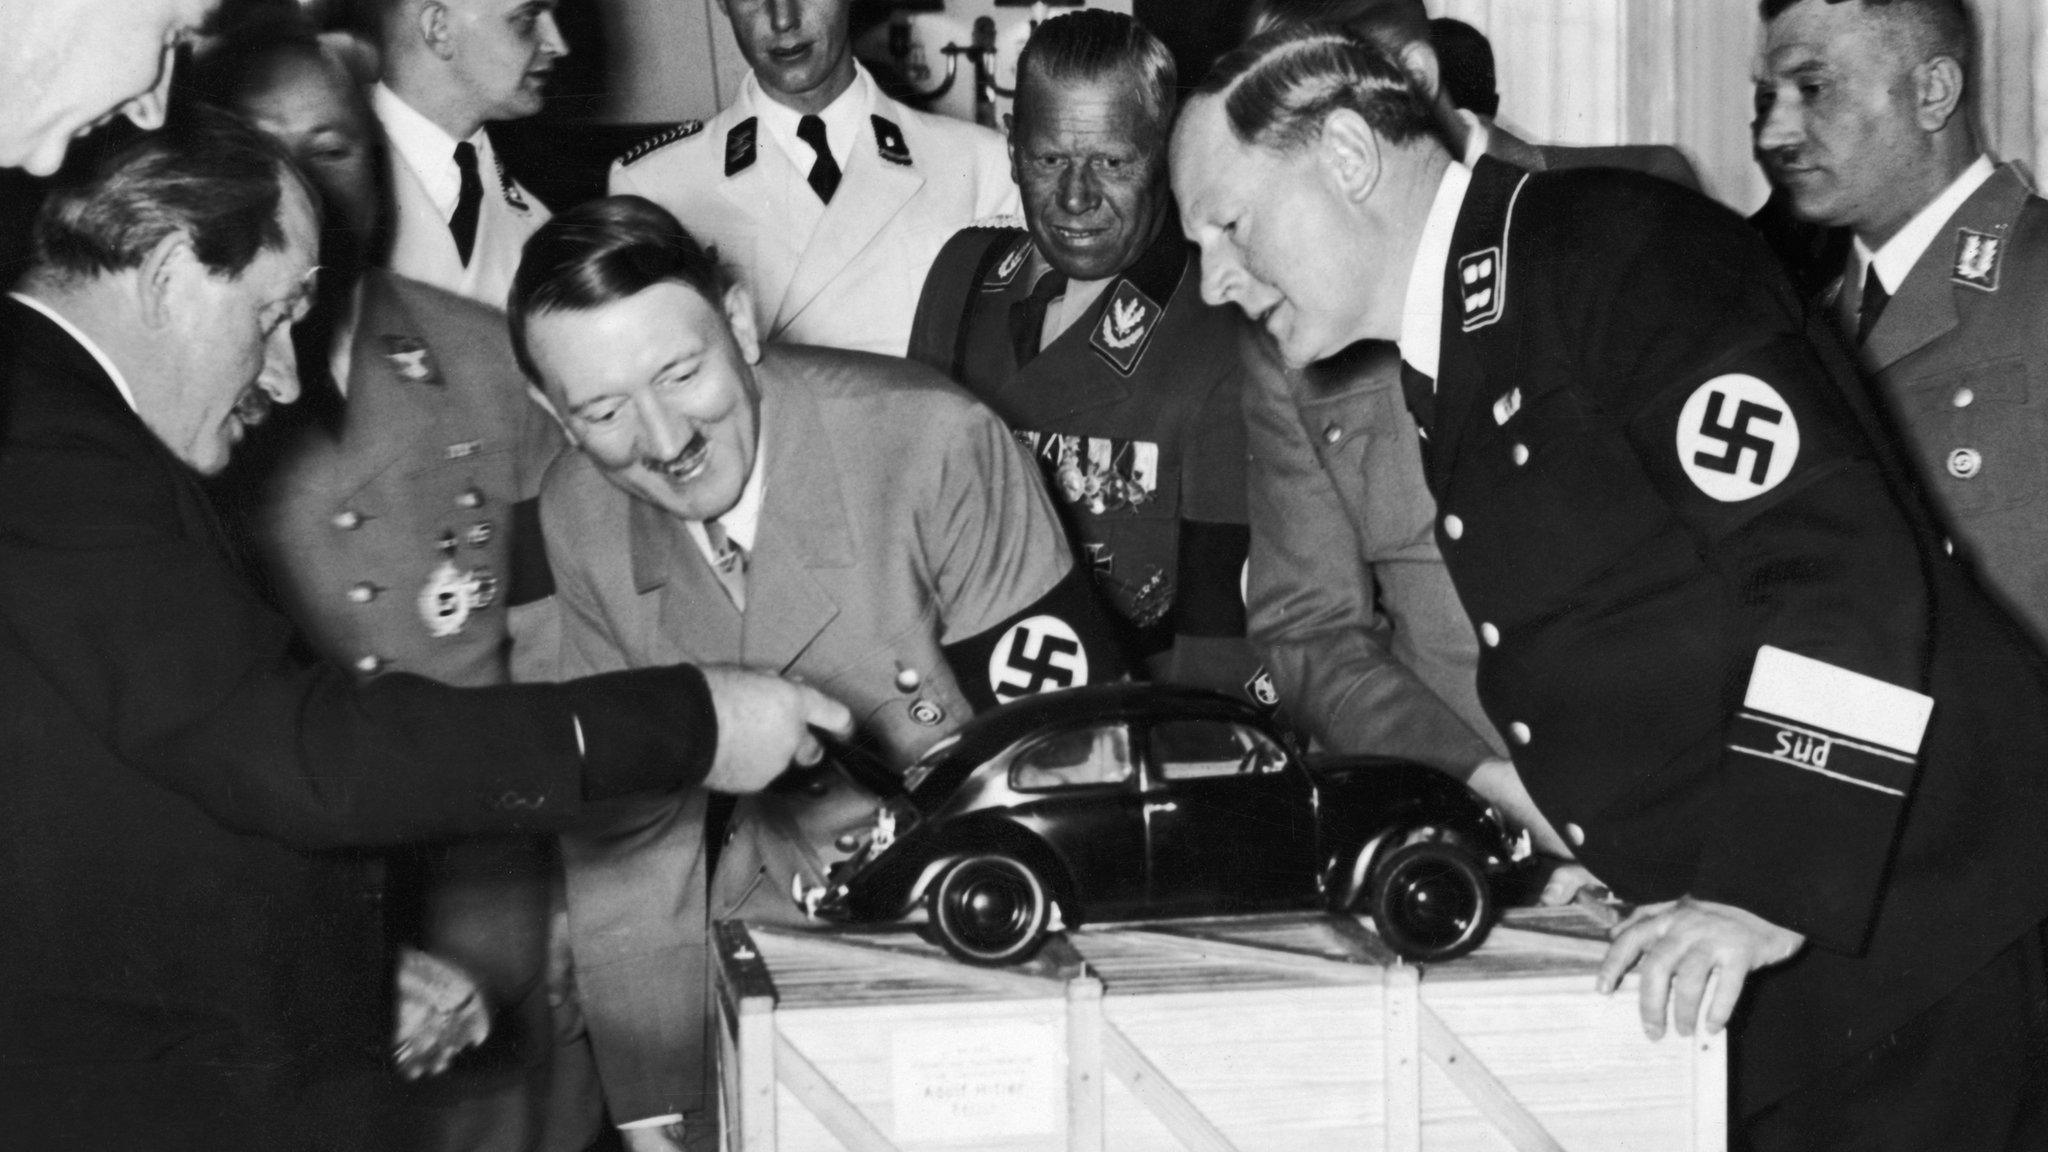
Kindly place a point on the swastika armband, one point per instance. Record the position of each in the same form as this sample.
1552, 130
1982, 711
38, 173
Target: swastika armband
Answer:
1805, 715
1062, 640
1737, 438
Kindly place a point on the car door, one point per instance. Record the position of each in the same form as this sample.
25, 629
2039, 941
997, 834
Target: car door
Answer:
1079, 787
1229, 828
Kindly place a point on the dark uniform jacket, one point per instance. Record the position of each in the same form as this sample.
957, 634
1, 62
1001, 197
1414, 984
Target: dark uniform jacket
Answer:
1961, 356
1653, 485
1133, 414
186, 954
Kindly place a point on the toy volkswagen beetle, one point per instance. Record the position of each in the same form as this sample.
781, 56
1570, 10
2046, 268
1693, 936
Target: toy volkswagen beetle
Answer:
1138, 801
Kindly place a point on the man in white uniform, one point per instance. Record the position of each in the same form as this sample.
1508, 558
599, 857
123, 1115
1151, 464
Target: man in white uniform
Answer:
450, 67
827, 197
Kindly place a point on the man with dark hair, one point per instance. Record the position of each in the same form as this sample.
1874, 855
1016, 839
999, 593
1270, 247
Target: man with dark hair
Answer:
388, 507
1864, 119
1084, 331
853, 520
451, 67
827, 197
193, 956
1403, 30
1737, 672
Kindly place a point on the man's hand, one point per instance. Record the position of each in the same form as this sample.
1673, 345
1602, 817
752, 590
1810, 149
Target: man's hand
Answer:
440, 1011
765, 724
1686, 947
1500, 785
1571, 882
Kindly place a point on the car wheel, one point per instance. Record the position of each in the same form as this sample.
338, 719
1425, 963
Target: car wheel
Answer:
990, 910
1430, 901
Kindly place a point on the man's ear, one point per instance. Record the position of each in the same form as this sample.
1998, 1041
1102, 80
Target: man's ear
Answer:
1938, 92
739, 316
1350, 154
1418, 60
434, 30
169, 271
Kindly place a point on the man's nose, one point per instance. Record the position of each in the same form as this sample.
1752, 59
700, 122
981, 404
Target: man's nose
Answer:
1220, 276
785, 15
1779, 125
147, 110
280, 375
1078, 192
551, 39
661, 435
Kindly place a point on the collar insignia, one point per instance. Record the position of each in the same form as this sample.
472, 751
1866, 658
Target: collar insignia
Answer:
1126, 327
1006, 270
1481, 288
409, 358
660, 140
1504, 409
505, 184
1977, 256
889, 142
739, 146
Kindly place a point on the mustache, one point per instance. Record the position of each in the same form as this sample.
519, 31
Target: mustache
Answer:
675, 466
253, 406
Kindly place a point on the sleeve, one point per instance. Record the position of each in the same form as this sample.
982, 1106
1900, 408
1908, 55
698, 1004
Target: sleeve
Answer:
1749, 436
158, 644
1313, 600
1209, 644
1016, 615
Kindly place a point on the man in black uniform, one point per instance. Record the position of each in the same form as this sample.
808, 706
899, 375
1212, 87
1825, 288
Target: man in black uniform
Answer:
1711, 630
1087, 334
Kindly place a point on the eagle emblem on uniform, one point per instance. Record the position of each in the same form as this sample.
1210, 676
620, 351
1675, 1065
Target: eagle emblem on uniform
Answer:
1126, 327
1977, 259
410, 359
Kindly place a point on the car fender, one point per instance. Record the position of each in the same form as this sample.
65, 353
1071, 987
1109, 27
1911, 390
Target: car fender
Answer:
978, 837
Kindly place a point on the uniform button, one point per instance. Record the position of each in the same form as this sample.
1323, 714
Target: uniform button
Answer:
1454, 527
1518, 732
470, 498
370, 665
1332, 434
1948, 545
363, 593
1575, 834
1963, 397
479, 534
348, 521
1964, 463
907, 679
1490, 634
1520, 453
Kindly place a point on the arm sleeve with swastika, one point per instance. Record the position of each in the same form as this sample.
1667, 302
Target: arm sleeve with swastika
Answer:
1821, 561
996, 552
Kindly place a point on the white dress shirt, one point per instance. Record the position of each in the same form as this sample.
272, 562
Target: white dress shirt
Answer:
1904, 249
1422, 313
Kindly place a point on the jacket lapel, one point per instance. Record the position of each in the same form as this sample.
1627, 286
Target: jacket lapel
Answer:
693, 619
1925, 307
804, 543
745, 191
872, 192
388, 408
1479, 245
1072, 374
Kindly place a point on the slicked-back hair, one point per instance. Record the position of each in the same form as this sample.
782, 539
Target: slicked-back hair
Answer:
1278, 88
1091, 45
1939, 27
1391, 24
207, 175
602, 252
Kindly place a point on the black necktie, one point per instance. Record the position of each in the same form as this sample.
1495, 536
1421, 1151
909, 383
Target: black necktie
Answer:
1874, 300
1027, 316
824, 175
463, 223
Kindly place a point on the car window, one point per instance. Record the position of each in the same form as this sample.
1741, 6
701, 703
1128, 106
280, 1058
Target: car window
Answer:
1193, 749
1074, 758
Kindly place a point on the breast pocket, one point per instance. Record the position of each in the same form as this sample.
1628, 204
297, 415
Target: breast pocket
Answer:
1978, 432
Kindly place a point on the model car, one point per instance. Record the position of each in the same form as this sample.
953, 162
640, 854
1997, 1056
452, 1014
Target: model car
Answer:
1133, 802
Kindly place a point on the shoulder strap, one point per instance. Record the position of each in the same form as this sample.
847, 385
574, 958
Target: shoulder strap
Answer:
938, 336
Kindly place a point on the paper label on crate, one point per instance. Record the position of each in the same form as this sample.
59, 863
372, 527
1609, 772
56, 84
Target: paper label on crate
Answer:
999, 1079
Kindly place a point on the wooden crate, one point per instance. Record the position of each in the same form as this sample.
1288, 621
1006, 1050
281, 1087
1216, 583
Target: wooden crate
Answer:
1289, 1033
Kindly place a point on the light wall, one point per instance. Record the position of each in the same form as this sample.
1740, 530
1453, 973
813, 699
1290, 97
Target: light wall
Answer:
1677, 71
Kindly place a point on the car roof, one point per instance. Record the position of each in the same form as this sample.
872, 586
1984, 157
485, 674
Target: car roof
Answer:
987, 734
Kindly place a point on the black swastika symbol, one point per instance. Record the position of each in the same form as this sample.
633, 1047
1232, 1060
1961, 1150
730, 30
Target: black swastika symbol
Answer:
1041, 668
1736, 436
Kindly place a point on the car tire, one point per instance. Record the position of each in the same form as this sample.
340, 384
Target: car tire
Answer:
1431, 901
990, 910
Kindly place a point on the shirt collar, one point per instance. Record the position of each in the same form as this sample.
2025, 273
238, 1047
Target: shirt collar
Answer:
743, 519
86, 342
428, 149
1422, 314
1477, 137
842, 119
1902, 251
